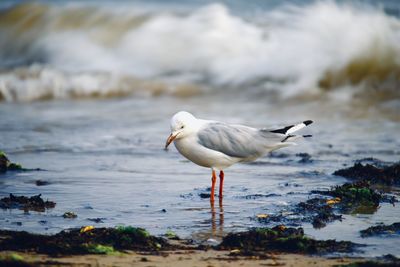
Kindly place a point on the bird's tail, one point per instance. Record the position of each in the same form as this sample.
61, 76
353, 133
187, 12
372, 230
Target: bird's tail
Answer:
288, 130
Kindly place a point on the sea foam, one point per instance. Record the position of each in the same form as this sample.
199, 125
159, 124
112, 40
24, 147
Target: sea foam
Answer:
291, 49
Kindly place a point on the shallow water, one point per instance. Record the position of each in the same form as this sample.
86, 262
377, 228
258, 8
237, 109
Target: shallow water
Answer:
95, 119
105, 159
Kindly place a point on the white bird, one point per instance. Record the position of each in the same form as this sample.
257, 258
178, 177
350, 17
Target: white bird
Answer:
218, 145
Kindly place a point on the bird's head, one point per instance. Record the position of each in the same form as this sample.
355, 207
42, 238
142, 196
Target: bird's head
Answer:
182, 124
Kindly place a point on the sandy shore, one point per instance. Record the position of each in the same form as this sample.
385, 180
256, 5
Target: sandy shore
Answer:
183, 258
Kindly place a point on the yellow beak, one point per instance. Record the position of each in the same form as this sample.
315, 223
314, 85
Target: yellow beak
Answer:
170, 139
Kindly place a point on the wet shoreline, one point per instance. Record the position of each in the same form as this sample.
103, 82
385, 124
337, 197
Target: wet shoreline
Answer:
112, 172
124, 245
359, 195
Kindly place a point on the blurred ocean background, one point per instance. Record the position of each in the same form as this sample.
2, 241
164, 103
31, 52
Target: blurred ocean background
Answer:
87, 89
80, 49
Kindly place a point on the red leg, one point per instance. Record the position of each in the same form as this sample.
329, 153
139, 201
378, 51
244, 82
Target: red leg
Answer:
213, 180
221, 183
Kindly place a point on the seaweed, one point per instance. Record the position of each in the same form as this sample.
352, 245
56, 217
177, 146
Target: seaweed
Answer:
171, 235
7, 165
4, 162
283, 239
87, 240
318, 212
69, 215
348, 198
381, 230
41, 182
14, 260
96, 220
140, 232
384, 261
304, 158
389, 175
356, 197
35, 203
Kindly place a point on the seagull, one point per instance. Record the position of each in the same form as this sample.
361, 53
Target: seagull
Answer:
218, 145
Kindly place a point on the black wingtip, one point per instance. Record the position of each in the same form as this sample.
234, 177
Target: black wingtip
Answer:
308, 122
307, 135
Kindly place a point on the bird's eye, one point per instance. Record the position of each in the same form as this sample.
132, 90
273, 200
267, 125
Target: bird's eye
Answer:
182, 127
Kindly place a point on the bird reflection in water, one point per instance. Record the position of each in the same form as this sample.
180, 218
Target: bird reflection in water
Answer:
220, 231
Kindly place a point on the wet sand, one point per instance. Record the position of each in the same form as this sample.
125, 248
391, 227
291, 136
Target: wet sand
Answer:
184, 258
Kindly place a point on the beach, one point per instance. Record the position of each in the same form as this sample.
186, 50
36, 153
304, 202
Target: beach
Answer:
186, 258
87, 91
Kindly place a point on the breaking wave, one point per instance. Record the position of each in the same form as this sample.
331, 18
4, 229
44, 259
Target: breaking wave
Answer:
80, 50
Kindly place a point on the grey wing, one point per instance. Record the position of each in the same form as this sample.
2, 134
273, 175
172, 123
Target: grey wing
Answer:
237, 140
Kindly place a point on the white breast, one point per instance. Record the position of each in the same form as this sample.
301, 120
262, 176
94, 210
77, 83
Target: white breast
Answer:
193, 151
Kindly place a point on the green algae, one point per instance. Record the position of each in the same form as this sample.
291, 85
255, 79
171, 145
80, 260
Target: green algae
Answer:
284, 239
171, 235
132, 231
101, 249
7, 165
389, 175
14, 260
356, 197
75, 241
382, 229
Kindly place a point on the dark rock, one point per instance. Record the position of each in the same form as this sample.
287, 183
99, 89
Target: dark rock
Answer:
389, 257
355, 197
305, 158
287, 218
320, 220
4, 162
96, 220
389, 175
205, 195
7, 165
41, 182
317, 211
373, 161
69, 215
15, 167
291, 185
278, 155
381, 230
35, 203
255, 196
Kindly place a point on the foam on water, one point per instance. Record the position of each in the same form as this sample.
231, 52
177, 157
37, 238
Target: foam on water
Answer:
290, 49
